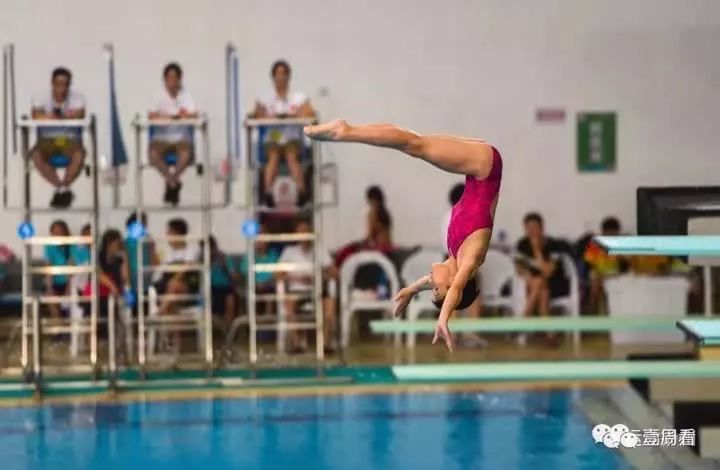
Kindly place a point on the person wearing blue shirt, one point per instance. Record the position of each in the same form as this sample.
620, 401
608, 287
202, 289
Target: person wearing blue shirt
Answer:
223, 276
264, 281
150, 257
58, 255
80, 253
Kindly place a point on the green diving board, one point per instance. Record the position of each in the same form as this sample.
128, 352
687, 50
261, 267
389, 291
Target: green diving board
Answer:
557, 371
703, 331
684, 245
505, 325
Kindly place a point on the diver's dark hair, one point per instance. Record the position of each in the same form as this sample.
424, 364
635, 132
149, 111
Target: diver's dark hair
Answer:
469, 294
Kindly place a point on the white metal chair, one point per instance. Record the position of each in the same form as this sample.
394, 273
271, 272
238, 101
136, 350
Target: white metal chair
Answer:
350, 305
194, 311
569, 303
77, 318
307, 308
416, 266
496, 272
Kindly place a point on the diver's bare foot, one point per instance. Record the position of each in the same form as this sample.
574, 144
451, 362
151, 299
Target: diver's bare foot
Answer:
333, 130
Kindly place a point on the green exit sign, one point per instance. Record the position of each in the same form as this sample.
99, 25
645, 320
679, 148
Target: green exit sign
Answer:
596, 141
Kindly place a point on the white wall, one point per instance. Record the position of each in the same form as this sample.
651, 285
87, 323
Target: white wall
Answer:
479, 68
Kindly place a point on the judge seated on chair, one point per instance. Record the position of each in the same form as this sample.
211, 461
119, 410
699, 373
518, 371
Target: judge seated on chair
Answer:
284, 142
59, 147
171, 147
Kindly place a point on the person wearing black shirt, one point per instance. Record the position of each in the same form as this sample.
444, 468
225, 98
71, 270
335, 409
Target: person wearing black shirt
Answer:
538, 262
113, 271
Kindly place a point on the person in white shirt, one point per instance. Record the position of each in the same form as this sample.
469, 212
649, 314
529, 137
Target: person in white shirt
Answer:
283, 141
301, 282
59, 103
179, 251
172, 102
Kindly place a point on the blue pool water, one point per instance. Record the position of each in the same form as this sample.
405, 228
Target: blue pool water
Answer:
509, 430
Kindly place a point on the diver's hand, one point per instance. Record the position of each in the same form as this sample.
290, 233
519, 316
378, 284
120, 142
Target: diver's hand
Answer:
332, 131
402, 300
442, 331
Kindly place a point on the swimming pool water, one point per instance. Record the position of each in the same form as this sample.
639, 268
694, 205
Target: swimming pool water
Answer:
508, 430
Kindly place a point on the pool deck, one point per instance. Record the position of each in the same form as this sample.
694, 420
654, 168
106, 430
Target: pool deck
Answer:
363, 374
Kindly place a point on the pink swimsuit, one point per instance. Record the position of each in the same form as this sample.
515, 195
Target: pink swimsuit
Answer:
474, 210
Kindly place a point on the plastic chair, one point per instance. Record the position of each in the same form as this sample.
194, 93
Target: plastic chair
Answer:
77, 318
350, 305
640, 295
416, 266
496, 272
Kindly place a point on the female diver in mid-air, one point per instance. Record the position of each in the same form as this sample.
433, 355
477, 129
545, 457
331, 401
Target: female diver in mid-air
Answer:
453, 282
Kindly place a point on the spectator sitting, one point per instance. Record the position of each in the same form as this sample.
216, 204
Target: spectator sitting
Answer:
538, 263
58, 255
60, 103
379, 221
150, 257
222, 282
6, 257
602, 265
179, 252
80, 254
302, 281
173, 102
113, 269
264, 281
285, 141
81, 251
378, 228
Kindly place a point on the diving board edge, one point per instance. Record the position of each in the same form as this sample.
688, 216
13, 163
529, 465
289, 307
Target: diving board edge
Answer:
557, 371
671, 245
535, 324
